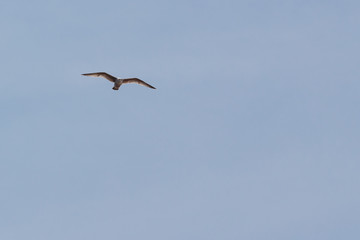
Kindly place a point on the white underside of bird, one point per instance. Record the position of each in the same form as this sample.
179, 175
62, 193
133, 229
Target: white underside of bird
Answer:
118, 81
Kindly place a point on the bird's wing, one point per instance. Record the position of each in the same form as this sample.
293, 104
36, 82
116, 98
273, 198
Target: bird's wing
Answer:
138, 81
101, 74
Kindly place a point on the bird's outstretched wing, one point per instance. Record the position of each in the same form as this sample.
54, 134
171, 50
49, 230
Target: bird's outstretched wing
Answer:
138, 81
101, 74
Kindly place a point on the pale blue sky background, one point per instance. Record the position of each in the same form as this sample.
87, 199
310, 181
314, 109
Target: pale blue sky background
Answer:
253, 131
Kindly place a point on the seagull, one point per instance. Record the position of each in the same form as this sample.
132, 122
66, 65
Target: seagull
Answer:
118, 81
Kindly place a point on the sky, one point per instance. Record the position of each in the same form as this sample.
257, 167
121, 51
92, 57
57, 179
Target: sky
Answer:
252, 133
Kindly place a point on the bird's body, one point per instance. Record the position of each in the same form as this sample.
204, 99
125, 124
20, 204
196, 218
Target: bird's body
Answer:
117, 84
118, 81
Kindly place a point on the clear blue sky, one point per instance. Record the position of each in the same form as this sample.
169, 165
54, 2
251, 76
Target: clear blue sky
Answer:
252, 133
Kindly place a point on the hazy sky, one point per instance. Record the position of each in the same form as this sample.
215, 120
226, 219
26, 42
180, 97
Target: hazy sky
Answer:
252, 133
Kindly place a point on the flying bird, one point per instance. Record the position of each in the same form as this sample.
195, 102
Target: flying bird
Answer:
118, 81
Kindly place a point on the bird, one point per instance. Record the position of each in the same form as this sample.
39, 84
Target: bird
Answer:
118, 81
